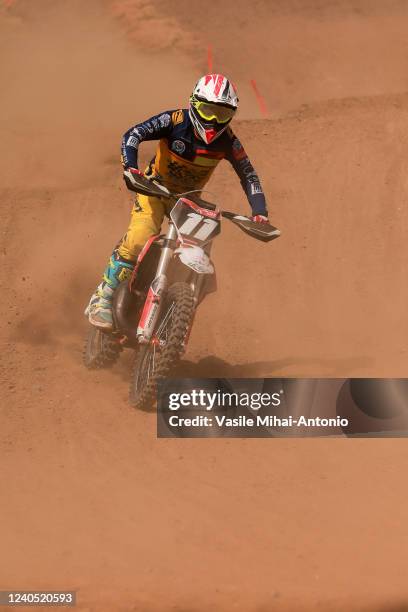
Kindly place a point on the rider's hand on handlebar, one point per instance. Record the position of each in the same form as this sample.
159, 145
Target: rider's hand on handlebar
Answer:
260, 219
129, 174
133, 182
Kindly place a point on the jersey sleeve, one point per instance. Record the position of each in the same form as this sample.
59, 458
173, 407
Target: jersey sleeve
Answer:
250, 182
158, 126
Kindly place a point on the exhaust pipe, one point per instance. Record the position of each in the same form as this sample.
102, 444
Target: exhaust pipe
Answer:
121, 306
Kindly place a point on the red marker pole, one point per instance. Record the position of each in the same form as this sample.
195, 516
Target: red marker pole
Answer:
210, 59
260, 99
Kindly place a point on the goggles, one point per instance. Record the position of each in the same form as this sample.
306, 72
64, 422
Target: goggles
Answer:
213, 112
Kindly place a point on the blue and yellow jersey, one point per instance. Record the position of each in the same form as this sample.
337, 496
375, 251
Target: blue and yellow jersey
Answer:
183, 162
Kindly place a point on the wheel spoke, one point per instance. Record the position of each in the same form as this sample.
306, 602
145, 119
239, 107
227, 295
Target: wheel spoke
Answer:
164, 325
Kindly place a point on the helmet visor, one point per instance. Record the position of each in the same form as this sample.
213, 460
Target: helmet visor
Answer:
213, 112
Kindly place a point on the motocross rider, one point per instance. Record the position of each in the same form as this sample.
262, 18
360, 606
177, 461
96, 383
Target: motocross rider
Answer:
191, 144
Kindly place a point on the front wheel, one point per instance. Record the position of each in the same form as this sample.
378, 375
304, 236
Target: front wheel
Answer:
158, 358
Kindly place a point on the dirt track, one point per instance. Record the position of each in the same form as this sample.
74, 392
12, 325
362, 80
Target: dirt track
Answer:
92, 500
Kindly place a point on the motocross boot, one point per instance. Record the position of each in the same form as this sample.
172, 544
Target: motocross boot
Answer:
99, 309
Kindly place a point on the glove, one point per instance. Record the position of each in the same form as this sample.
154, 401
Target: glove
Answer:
129, 174
260, 219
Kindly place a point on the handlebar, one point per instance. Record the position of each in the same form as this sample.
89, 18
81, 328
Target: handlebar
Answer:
140, 184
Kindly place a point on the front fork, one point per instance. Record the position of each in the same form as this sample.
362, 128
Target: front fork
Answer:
157, 289
196, 287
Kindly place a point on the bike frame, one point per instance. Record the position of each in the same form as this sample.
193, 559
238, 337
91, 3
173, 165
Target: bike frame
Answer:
185, 246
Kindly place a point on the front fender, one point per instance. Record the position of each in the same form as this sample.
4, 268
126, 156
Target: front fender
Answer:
195, 258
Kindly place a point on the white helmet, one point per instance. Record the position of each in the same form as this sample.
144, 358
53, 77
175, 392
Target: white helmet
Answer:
212, 106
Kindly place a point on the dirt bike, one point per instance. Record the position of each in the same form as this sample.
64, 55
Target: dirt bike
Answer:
153, 311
